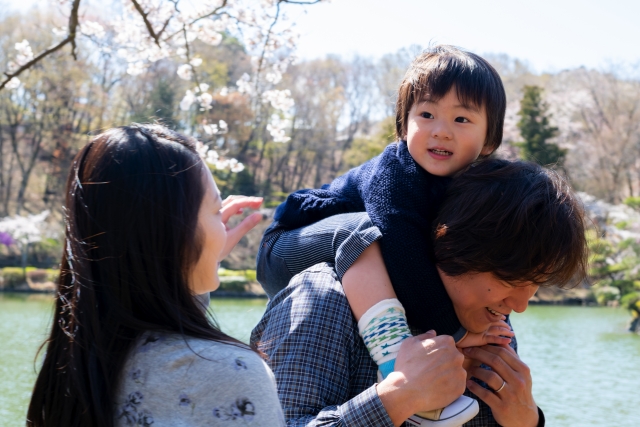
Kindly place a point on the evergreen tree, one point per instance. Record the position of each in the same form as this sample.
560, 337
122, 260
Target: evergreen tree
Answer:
535, 130
163, 103
159, 104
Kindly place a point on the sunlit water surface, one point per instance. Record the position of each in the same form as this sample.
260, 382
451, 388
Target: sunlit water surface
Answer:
585, 366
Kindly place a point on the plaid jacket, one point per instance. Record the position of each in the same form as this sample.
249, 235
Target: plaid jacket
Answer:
323, 371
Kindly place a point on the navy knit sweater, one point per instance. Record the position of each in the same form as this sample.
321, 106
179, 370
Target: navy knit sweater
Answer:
402, 200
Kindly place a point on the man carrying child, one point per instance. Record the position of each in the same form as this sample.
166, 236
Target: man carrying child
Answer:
503, 230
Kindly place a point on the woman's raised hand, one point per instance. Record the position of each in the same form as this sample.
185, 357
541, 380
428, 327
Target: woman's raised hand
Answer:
234, 205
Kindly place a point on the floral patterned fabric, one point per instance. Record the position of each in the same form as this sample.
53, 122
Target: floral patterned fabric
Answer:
170, 381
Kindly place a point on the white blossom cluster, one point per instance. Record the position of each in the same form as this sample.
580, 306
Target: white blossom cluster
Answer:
244, 84
24, 54
607, 215
279, 99
566, 99
216, 129
92, 28
608, 218
242, 18
25, 229
157, 29
213, 158
276, 129
201, 96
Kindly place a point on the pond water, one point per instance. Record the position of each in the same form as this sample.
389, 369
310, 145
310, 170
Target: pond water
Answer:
585, 366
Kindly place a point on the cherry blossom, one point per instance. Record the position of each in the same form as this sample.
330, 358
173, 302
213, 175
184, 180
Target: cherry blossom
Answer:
205, 99
91, 28
25, 229
244, 84
142, 32
277, 129
185, 71
215, 160
187, 101
279, 99
215, 129
25, 54
14, 83
136, 68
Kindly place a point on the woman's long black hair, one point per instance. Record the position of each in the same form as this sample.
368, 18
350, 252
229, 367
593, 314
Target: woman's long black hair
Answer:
132, 202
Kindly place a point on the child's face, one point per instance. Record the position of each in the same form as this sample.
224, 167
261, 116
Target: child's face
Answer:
444, 137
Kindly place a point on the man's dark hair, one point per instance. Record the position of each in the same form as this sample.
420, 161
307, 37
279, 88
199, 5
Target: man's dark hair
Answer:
517, 220
436, 70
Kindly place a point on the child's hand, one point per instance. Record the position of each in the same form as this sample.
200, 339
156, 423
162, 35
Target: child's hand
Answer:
498, 333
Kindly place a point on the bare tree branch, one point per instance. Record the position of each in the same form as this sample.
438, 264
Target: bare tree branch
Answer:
266, 42
300, 2
73, 25
144, 15
212, 13
33, 61
71, 38
188, 53
164, 27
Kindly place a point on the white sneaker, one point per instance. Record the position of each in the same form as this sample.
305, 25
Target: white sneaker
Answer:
459, 412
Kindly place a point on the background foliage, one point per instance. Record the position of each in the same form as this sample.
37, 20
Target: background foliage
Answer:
294, 123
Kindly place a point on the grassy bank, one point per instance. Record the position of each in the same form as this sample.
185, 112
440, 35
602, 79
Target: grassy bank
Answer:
15, 279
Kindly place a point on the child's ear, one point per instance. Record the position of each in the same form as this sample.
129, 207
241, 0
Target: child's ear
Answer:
486, 150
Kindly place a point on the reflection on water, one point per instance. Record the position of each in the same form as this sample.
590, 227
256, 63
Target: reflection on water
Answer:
237, 317
24, 325
585, 366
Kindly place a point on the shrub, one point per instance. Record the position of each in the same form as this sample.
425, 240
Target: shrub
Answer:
250, 275
605, 294
235, 280
247, 275
622, 225
233, 283
12, 277
633, 202
43, 275
629, 299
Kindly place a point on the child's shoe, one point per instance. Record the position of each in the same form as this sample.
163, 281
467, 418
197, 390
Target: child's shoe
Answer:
459, 412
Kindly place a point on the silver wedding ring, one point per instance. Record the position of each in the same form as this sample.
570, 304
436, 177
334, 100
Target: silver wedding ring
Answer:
501, 387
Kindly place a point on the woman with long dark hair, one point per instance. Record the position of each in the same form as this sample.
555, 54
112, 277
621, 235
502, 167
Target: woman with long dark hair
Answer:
131, 343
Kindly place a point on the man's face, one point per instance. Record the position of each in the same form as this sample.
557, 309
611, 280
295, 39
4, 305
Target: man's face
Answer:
480, 299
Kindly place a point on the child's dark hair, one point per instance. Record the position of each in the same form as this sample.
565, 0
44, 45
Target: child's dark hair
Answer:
477, 83
516, 220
